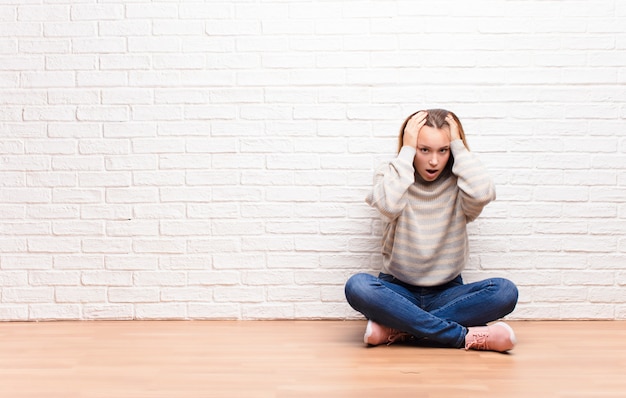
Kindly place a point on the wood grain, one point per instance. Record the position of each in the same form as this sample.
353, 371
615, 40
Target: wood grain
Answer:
300, 359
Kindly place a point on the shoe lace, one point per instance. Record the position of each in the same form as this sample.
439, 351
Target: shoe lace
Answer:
396, 335
478, 341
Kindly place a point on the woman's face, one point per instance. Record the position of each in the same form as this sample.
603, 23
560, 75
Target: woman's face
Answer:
433, 152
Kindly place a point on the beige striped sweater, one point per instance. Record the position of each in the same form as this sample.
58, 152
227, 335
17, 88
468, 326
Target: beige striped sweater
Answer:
424, 237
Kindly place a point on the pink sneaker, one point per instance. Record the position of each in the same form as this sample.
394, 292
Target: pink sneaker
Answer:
376, 334
497, 337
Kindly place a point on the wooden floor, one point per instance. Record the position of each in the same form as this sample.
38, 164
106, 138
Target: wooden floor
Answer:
180, 359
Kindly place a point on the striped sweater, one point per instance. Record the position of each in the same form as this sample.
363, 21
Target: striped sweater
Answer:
425, 237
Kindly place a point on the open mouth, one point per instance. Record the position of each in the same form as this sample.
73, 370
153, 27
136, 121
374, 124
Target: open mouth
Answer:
431, 172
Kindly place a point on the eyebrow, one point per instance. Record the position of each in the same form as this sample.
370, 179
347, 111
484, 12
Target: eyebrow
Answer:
427, 147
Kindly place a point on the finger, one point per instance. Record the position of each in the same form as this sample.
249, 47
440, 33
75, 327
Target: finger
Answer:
416, 122
420, 118
410, 124
420, 115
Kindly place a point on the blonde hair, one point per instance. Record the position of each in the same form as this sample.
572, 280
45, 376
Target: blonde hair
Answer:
437, 119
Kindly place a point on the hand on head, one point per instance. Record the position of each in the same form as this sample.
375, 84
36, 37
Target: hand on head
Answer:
454, 128
413, 126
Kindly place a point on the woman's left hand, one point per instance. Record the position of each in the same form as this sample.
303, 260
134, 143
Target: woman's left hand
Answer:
454, 128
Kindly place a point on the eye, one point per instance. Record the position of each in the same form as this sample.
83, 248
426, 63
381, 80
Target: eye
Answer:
424, 150
444, 150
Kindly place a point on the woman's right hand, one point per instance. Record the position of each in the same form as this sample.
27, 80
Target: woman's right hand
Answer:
412, 129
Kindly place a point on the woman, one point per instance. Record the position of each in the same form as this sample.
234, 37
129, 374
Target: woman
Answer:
426, 196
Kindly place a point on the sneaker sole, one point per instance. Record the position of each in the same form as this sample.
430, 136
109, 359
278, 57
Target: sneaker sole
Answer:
368, 332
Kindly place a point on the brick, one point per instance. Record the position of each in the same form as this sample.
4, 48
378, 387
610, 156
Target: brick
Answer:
292, 261
151, 278
185, 228
104, 45
267, 311
123, 62
606, 294
265, 177
25, 195
160, 246
28, 295
132, 295
292, 227
97, 12
78, 228
106, 278
586, 311
239, 294
213, 278
13, 278
293, 294
221, 311
110, 179
223, 244
124, 28
153, 112
107, 312
103, 113
292, 194
186, 262
161, 311
80, 294
213, 210
186, 294
44, 312
238, 261
269, 243
69, 29
64, 62
131, 195
536, 312
321, 310
130, 263
131, 96
78, 262
157, 178
14, 312
106, 245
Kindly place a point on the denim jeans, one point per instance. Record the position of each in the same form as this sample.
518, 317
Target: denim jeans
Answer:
439, 314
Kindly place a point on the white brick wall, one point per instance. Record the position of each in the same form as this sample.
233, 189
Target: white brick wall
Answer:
209, 159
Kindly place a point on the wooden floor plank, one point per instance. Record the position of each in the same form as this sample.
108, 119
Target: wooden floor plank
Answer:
300, 359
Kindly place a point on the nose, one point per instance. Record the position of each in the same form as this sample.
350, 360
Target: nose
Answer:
433, 161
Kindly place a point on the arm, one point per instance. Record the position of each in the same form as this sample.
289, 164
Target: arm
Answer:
475, 185
391, 183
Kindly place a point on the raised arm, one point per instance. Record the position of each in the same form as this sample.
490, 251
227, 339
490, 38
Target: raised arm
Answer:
475, 185
391, 183
392, 180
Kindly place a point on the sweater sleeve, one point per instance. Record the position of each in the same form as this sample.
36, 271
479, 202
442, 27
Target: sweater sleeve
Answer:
476, 189
391, 183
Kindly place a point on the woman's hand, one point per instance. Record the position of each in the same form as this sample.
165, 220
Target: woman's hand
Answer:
454, 128
412, 129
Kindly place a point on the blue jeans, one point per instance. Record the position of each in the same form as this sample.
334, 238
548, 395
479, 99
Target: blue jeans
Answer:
439, 314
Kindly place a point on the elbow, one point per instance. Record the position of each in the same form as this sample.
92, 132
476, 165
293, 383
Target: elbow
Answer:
387, 210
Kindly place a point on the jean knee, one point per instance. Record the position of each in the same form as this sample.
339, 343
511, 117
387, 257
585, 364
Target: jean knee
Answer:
356, 285
508, 291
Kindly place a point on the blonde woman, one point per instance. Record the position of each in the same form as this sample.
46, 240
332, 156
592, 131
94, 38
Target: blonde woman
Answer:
426, 196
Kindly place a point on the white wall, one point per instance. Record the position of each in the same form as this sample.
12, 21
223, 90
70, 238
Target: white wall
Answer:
209, 160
